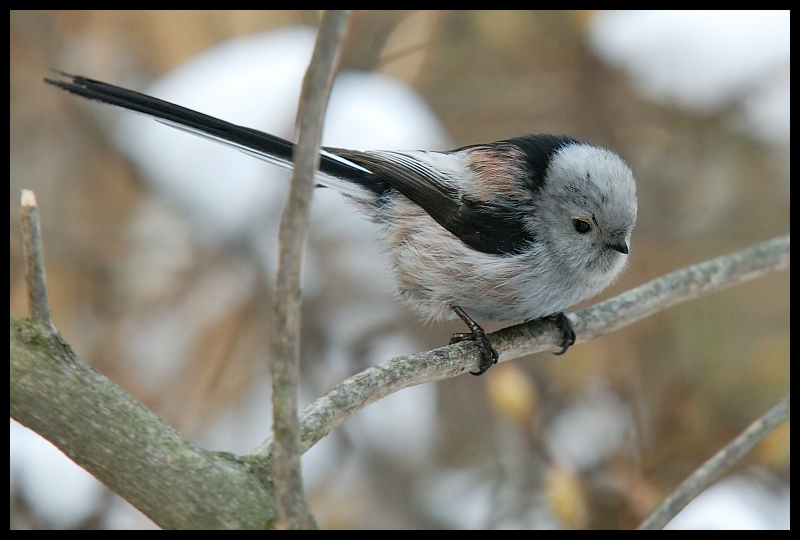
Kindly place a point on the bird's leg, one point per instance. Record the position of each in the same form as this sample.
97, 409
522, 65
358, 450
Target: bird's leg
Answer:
489, 355
567, 332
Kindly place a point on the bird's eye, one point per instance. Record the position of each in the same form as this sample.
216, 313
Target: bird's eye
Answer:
582, 225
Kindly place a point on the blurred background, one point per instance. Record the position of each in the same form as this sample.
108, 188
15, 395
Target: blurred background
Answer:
160, 251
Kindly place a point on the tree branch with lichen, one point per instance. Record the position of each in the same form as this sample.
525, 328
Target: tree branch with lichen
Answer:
181, 485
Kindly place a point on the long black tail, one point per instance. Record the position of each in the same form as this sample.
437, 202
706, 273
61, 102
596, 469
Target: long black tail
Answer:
334, 171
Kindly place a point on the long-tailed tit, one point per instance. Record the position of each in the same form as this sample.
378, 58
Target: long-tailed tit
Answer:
511, 230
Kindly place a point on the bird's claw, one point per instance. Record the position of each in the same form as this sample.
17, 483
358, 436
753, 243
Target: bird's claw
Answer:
489, 355
567, 332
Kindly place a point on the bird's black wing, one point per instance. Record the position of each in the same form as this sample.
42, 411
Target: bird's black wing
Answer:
485, 227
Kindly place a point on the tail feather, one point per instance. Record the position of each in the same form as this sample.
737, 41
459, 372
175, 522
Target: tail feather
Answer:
335, 171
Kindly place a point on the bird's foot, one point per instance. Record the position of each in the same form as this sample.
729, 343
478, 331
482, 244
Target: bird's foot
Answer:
489, 355
567, 332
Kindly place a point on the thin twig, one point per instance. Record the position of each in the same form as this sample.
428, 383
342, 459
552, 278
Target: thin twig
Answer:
714, 467
345, 399
291, 502
33, 251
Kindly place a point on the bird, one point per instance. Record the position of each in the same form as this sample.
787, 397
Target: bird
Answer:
512, 230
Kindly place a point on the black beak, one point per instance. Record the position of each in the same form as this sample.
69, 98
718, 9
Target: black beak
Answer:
620, 246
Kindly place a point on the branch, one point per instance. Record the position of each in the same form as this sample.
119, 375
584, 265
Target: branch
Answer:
33, 252
109, 433
329, 411
292, 509
169, 478
714, 467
